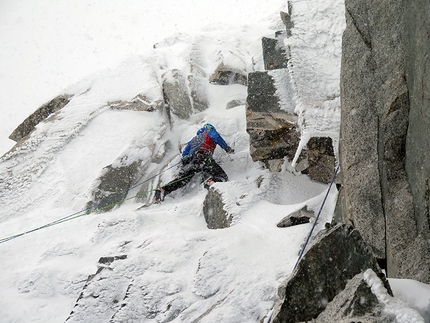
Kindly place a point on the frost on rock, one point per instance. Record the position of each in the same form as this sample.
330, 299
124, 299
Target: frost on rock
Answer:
314, 67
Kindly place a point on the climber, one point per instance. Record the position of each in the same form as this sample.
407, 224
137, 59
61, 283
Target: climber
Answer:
196, 158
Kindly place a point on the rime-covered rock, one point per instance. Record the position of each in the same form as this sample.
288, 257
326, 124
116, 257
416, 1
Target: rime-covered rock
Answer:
95, 289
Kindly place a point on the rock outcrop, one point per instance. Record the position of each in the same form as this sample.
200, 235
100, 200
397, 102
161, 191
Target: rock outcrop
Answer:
225, 75
216, 216
274, 53
176, 95
113, 186
273, 132
356, 303
298, 217
335, 257
383, 153
417, 44
28, 125
94, 287
272, 124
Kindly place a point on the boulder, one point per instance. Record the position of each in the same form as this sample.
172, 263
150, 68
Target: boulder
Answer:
176, 95
28, 125
225, 75
356, 303
113, 186
213, 210
335, 256
298, 217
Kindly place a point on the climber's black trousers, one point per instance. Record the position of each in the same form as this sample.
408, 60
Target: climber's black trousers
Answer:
209, 168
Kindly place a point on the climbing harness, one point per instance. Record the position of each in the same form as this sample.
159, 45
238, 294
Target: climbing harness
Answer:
316, 219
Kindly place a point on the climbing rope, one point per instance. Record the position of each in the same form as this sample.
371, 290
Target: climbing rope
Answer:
316, 219
312, 229
99, 206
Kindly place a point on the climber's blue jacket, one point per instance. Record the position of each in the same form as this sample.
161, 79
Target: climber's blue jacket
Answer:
205, 140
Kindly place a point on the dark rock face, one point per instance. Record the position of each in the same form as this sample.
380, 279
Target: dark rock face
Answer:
356, 303
417, 44
335, 257
274, 54
320, 159
213, 210
262, 93
383, 118
28, 125
113, 186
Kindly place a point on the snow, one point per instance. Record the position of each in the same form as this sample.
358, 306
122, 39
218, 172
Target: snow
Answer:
175, 269
397, 308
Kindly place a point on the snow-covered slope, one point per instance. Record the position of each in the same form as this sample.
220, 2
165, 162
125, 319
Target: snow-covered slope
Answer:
166, 265
174, 263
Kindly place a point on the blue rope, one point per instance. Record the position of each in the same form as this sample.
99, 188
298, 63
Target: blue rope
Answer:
316, 220
85, 211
